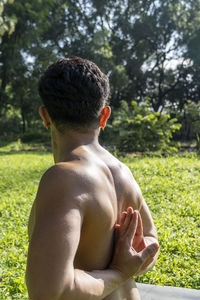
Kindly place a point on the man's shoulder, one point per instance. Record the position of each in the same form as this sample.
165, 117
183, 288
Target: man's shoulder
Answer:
62, 173
59, 193
131, 191
119, 168
60, 184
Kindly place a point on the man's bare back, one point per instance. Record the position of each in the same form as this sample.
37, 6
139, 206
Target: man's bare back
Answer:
104, 188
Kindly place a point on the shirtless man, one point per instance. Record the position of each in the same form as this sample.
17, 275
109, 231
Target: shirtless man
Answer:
90, 230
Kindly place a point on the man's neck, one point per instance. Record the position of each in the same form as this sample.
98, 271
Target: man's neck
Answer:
64, 145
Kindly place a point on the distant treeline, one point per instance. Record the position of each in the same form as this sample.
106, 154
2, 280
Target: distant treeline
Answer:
149, 49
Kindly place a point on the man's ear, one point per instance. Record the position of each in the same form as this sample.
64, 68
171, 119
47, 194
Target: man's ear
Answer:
105, 114
45, 116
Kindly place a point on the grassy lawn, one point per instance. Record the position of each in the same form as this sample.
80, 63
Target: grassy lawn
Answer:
170, 186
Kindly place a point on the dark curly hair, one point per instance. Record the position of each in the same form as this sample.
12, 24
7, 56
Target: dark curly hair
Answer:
74, 91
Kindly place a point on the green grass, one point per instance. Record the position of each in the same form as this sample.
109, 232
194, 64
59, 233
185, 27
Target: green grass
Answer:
170, 186
20, 175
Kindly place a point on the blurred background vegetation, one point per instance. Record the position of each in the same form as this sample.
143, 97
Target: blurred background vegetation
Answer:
150, 51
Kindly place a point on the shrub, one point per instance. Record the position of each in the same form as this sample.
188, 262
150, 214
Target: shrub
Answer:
35, 136
9, 128
198, 143
192, 121
138, 128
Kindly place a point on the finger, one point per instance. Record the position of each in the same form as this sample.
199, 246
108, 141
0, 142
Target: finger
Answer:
139, 230
123, 217
149, 252
116, 232
129, 209
144, 265
148, 261
127, 220
131, 230
117, 226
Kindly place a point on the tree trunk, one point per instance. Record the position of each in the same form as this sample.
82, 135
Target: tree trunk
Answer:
4, 71
4, 82
23, 118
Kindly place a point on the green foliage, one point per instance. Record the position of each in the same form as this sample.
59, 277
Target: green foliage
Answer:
192, 119
170, 186
10, 127
19, 77
189, 117
7, 24
36, 136
192, 113
137, 128
136, 43
198, 143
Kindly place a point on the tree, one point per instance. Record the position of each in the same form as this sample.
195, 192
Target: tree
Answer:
21, 49
7, 24
136, 43
147, 38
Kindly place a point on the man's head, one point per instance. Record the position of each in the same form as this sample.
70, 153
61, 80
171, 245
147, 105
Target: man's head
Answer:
74, 92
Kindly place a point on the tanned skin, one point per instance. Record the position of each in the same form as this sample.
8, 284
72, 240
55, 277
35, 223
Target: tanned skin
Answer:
90, 229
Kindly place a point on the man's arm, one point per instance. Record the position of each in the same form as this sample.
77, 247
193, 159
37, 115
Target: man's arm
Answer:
59, 215
146, 232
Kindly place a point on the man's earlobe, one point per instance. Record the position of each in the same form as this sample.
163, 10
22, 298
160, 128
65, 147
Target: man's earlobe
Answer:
44, 116
105, 114
41, 111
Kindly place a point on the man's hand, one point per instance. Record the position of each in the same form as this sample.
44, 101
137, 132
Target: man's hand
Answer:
138, 240
131, 254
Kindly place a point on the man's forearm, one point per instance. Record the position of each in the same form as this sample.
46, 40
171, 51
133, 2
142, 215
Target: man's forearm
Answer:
93, 285
98, 284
